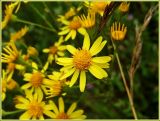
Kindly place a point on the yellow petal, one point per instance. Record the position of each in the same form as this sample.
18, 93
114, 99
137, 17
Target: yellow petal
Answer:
73, 34
68, 73
71, 49
74, 78
82, 81
40, 94
49, 113
26, 86
21, 106
82, 31
60, 53
54, 107
68, 36
65, 60
76, 114
34, 65
61, 47
86, 43
103, 59
63, 32
61, 105
71, 108
96, 44
98, 49
25, 116
46, 50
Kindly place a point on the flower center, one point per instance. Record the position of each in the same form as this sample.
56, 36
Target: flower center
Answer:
35, 109
53, 50
11, 66
62, 116
74, 24
82, 59
36, 79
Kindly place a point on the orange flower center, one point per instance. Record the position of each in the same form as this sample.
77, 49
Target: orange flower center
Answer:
75, 24
82, 59
36, 79
62, 116
53, 50
35, 109
11, 66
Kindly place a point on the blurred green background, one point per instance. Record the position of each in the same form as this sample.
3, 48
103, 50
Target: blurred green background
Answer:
103, 99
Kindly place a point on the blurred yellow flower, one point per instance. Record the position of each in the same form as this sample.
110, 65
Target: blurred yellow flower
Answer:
97, 7
11, 53
56, 50
18, 35
70, 29
118, 32
33, 106
59, 112
35, 80
54, 85
8, 13
124, 7
83, 60
31, 51
89, 21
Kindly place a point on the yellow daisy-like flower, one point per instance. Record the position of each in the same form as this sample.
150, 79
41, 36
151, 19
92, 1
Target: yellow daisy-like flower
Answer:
11, 53
83, 60
8, 13
33, 106
97, 7
118, 32
59, 113
18, 35
124, 7
56, 50
71, 27
54, 85
36, 80
89, 21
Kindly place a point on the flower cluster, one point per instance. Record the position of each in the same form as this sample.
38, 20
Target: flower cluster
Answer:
41, 82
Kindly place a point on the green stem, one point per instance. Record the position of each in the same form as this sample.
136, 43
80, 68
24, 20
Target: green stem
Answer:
35, 24
125, 82
43, 17
5, 113
49, 11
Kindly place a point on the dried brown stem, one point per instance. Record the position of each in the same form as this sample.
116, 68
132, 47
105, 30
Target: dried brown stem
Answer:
136, 56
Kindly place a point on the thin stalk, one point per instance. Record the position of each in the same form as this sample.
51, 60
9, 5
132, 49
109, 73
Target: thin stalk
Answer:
125, 83
49, 11
43, 17
35, 24
5, 113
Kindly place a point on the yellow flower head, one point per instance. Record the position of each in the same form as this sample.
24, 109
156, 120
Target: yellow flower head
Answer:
31, 51
89, 21
56, 50
33, 106
97, 7
36, 80
12, 84
118, 32
11, 53
124, 7
8, 13
54, 85
70, 29
18, 35
83, 60
59, 112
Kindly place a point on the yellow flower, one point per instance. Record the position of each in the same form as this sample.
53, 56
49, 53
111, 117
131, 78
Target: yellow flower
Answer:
35, 80
89, 21
18, 35
124, 7
31, 51
8, 13
56, 50
97, 7
71, 28
54, 85
33, 106
118, 32
83, 60
59, 113
11, 53
12, 84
